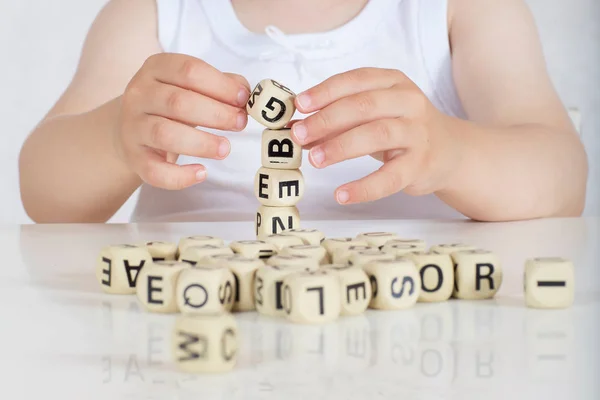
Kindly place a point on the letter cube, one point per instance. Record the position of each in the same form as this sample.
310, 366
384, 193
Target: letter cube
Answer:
396, 284
334, 244
549, 283
451, 248
205, 343
308, 236
278, 188
162, 251
254, 249
355, 288
282, 241
343, 255
418, 243
310, 250
200, 240
312, 297
274, 220
118, 267
361, 258
437, 275
197, 254
271, 104
400, 249
477, 274
279, 151
268, 284
377, 239
294, 260
156, 285
205, 289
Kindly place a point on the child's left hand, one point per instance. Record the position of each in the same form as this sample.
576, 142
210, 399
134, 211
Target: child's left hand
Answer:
382, 113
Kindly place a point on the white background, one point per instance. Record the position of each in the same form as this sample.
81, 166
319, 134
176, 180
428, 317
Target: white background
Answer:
40, 43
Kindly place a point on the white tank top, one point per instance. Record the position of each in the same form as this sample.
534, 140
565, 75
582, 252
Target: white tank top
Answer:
408, 35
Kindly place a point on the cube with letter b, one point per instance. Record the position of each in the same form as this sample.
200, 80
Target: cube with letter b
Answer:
271, 104
278, 188
279, 151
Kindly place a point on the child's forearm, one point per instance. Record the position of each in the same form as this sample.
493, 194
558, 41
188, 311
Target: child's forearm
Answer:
69, 171
522, 172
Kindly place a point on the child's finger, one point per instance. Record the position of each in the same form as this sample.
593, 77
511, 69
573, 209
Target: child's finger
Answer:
349, 112
194, 109
173, 137
391, 178
193, 74
157, 172
347, 84
241, 80
373, 137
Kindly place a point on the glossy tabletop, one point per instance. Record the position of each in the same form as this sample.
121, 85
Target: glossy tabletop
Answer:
61, 337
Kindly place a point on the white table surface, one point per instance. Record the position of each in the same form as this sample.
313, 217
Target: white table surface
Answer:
62, 338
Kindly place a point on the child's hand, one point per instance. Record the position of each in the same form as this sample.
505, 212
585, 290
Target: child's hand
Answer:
170, 96
381, 113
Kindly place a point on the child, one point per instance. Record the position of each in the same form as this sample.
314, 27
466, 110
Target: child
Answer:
413, 109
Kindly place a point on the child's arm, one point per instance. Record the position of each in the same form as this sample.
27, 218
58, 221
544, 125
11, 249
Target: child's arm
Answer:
518, 157
126, 116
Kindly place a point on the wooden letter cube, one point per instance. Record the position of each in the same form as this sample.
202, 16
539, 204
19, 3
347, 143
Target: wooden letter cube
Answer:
364, 257
549, 283
118, 267
278, 188
377, 239
205, 343
451, 248
271, 104
273, 220
197, 254
477, 274
400, 249
254, 249
206, 289
310, 250
268, 283
282, 241
294, 260
343, 255
396, 284
334, 244
437, 275
199, 240
308, 236
162, 251
355, 288
418, 243
243, 269
156, 286
312, 297
279, 151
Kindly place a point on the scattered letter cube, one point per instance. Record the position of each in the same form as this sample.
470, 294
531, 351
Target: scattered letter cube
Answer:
355, 288
206, 289
268, 284
308, 236
254, 248
197, 254
396, 284
156, 286
310, 250
282, 241
437, 276
549, 283
477, 274
377, 239
162, 251
118, 267
312, 297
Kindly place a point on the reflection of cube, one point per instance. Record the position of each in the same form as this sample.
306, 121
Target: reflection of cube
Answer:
279, 151
278, 188
273, 220
477, 274
156, 286
207, 343
271, 104
396, 284
117, 267
311, 297
549, 283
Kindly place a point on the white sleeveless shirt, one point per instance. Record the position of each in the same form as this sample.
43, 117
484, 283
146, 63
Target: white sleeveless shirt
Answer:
408, 35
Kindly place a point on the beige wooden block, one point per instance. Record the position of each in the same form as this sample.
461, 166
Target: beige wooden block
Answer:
197, 254
271, 104
279, 188
400, 249
396, 284
199, 240
156, 286
279, 151
312, 297
355, 288
334, 244
549, 283
274, 220
205, 289
282, 241
377, 239
310, 250
117, 267
205, 343
162, 251
308, 236
450, 248
419, 243
268, 283
294, 260
342, 255
437, 275
361, 258
243, 269
254, 249
477, 274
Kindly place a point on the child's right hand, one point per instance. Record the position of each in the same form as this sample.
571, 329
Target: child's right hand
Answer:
163, 104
